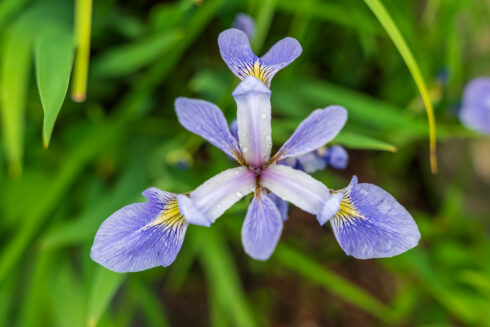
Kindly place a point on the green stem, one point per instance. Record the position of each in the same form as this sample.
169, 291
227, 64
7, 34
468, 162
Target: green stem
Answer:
83, 22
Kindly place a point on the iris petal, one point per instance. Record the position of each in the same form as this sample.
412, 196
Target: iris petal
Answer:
281, 205
254, 120
235, 50
262, 228
210, 200
206, 119
280, 55
320, 127
372, 224
475, 111
141, 235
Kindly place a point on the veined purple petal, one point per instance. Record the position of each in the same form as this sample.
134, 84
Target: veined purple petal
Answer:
372, 224
141, 235
295, 186
210, 200
475, 112
206, 119
281, 205
312, 162
338, 157
246, 24
237, 54
262, 228
320, 127
254, 120
280, 55
235, 50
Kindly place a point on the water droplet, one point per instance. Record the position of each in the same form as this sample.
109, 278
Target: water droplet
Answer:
238, 194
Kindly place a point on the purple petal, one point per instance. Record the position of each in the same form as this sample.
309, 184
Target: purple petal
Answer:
205, 119
295, 186
235, 50
338, 157
280, 55
262, 228
372, 224
210, 200
141, 235
320, 127
254, 120
281, 205
234, 129
475, 112
246, 24
312, 162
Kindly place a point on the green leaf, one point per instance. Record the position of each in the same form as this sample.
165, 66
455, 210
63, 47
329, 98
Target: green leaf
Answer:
357, 141
14, 76
310, 269
222, 277
389, 25
102, 289
54, 60
128, 58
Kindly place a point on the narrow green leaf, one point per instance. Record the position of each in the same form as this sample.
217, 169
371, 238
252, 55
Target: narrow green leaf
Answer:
389, 25
264, 19
222, 277
356, 141
54, 60
128, 58
14, 76
102, 289
310, 269
83, 29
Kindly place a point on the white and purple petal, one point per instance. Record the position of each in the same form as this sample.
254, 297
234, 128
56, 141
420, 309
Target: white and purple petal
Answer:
311, 162
320, 127
254, 120
262, 227
372, 224
338, 157
246, 24
475, 111
210, 200
297, 187
141, 235
235, 50
206, 119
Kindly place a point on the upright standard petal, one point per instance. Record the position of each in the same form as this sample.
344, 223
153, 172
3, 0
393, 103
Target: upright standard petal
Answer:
235, 50
254, 120
320, 127
475, 111
237, 54
141, 235
262, 227
295, 186
246, 24
206, 119
210, 200
372, 224
280, 55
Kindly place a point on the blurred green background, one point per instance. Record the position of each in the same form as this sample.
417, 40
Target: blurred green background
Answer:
124, 137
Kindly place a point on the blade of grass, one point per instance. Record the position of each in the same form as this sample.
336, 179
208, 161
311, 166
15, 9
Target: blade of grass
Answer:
83, 22
357, 141
390, 27
222, 276
264, 19
311, 270
102, 289
54, 59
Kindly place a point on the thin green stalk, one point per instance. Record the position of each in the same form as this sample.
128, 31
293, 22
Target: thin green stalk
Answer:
389, 25
83, 22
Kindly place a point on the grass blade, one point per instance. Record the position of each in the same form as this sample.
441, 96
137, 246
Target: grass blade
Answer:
389, 25
83, 22
357, 141
54, 59
310, 269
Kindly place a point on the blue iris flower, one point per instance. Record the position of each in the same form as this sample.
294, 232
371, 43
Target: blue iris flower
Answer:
475, 111
366, 220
